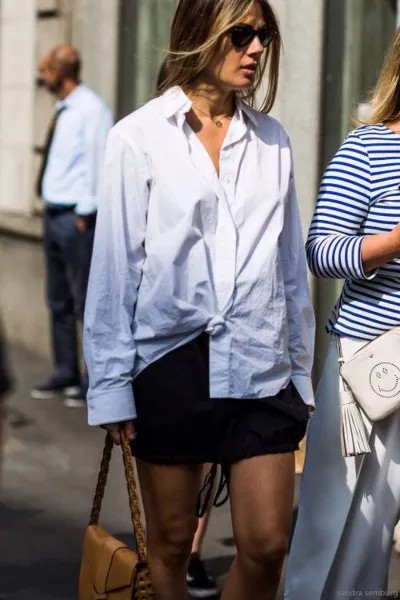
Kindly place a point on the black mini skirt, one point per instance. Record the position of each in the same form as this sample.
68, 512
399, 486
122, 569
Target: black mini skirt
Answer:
179, 424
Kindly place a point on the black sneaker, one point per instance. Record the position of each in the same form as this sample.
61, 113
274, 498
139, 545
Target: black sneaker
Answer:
75, 398
200, 583
55, 385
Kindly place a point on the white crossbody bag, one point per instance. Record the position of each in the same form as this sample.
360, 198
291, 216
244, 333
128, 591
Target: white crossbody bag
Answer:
370, 380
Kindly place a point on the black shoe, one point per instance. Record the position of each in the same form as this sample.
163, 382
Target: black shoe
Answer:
200, 583
75, 398
55, 385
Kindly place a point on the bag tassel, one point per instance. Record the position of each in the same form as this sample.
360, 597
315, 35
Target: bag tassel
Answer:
353, 431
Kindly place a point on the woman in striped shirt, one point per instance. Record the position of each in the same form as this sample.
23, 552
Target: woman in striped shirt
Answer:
349, 506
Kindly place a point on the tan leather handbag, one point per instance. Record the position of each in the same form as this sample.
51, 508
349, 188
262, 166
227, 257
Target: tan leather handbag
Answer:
109, 569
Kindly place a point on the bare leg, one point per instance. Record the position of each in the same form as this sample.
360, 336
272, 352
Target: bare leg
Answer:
200, 532
202, 523
169, 496
261, 491
200, 583
396, 538
300, 456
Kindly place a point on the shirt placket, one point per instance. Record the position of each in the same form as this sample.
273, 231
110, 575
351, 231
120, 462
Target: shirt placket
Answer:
226, 242
226, 233
225, 236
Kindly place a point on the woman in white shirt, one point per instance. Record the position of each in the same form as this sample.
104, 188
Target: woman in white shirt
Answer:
199, 327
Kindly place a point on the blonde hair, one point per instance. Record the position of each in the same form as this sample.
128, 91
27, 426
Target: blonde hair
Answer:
384, 102
196, 34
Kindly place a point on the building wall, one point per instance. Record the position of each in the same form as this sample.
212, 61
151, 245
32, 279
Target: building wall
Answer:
298, 105
95, 31
27, 29
17, 65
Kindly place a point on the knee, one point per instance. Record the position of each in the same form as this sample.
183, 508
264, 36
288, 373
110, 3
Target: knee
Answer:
172, 545
263, 548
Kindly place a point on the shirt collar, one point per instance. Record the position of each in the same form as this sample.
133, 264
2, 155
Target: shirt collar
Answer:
175, 103
245, 109
71, 99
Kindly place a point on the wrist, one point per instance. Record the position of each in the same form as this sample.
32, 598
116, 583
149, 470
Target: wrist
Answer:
86, 221
378, 249
391, 244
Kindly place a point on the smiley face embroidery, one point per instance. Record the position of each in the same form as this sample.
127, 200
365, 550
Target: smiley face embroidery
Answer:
384, 379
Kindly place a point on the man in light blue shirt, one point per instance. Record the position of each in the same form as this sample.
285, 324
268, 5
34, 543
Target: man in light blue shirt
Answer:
68, 185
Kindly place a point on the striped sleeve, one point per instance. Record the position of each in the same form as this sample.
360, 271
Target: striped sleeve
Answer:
334, 244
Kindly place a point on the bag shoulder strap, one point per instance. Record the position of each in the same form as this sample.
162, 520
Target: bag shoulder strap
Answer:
132, 491
101, 481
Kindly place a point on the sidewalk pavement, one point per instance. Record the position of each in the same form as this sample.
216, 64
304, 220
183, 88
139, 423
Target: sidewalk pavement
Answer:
50, 465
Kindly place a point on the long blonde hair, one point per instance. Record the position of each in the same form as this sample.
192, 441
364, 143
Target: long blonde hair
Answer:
385, 98
196, 34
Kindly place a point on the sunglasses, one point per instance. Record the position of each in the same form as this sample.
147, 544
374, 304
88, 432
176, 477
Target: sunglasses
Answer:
242, 35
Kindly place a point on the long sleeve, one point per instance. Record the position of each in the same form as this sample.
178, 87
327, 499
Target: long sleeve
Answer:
116, 270
96, 131
300, 312
334, 242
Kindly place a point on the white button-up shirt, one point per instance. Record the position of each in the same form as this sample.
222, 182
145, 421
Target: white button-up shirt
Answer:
77, 151
180, 250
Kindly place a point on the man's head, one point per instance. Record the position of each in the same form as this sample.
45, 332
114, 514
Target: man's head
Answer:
59, 69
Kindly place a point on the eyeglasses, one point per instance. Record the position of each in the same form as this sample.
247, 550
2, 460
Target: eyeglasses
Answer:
242, 35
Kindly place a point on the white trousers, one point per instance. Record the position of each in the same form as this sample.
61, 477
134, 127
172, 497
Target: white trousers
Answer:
348, 507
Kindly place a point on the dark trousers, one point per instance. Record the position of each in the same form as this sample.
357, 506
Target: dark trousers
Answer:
68, 254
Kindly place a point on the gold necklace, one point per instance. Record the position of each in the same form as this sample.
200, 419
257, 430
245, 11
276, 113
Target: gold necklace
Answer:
216, 120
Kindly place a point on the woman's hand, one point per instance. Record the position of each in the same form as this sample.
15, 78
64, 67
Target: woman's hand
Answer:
81, 225
380, 248
114, 429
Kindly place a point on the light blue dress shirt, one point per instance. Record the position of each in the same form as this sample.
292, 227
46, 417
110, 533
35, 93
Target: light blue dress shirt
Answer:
77, 152
180, 250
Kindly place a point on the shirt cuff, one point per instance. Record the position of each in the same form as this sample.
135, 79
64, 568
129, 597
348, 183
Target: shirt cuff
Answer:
304, 386
86, 206
359, 272
111, 406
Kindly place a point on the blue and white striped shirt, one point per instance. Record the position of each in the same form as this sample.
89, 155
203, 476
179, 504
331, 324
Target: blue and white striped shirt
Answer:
359, 196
